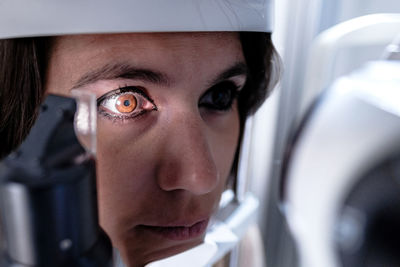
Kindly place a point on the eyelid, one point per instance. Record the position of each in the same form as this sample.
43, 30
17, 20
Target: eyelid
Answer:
238, 86
238, 83
238, 80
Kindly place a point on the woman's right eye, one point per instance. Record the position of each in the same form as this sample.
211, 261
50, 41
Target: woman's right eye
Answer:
125, 103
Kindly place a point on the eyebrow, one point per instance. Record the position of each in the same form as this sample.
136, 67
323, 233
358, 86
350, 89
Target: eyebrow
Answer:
122, 71
128, 71
238, 69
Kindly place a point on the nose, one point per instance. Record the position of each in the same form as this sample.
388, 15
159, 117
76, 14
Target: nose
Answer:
187, 161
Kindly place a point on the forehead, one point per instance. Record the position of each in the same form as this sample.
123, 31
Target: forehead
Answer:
183, 53
146, 37
212, 43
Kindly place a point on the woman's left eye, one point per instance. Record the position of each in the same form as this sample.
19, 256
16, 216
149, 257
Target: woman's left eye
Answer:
124, 103
220, 97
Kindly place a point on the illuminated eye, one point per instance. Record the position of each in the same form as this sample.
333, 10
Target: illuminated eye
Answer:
126, 102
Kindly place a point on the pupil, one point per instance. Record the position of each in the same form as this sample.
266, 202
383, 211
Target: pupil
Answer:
221, 97
127, 103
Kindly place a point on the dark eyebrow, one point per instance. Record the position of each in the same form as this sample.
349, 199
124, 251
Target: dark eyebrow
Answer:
237, 69
122, 71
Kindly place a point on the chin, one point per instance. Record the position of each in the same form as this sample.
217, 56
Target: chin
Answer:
138, 254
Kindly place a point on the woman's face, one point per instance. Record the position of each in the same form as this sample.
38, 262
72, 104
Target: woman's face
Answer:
168, 129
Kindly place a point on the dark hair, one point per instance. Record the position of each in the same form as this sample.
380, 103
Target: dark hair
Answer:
23, 63
263, 63
22, 67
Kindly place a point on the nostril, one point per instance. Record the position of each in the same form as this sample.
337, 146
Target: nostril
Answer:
187, 174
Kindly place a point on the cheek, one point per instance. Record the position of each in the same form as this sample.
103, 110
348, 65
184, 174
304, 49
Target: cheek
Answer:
123, 164
224, 140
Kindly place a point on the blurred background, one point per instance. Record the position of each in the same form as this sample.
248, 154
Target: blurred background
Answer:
298, 25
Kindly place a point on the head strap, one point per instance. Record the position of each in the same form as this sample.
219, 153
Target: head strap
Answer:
26, 18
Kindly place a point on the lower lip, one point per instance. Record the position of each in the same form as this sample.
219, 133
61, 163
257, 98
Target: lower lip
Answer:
179, 232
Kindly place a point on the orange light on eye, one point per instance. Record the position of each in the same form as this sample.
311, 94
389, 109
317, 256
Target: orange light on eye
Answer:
126, 103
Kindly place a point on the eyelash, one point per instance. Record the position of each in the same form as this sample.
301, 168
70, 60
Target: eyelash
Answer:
139, 97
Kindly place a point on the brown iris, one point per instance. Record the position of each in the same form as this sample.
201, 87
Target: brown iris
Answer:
126, 103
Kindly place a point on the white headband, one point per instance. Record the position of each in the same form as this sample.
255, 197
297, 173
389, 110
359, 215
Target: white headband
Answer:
25, 18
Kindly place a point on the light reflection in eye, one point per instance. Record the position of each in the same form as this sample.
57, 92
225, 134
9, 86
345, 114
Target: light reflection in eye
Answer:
125, 103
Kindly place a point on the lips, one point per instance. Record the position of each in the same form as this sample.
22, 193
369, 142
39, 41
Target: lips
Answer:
179, 232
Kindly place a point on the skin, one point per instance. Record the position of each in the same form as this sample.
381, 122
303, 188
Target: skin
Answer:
169, 165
